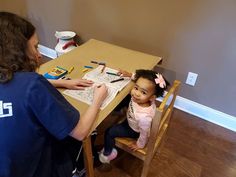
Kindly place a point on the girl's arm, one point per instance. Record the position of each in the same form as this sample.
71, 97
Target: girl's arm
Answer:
144, 127
124, 73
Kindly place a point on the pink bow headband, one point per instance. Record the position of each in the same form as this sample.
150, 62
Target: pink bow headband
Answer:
160, 80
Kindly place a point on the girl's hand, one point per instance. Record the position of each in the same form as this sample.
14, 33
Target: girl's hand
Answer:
77, 84
124, 73
134, 146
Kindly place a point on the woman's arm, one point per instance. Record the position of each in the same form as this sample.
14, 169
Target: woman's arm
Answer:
76, 84
86, 120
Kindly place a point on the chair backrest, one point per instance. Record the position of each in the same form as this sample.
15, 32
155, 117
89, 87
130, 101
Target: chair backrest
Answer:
158, 129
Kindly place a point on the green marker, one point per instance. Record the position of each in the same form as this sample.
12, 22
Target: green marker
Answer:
115, 74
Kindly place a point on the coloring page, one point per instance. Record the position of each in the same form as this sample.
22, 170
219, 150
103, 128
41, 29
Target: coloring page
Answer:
99, 78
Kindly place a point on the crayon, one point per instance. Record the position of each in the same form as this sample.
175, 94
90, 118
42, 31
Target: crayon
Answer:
120, 79
101, 63
95, 62
103, 68
88, 67
115, 74
71, 69
84, 70
65, 78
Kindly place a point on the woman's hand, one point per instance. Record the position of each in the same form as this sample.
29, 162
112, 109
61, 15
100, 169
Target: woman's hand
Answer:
100, 93
74, 84
86, 120
77, 84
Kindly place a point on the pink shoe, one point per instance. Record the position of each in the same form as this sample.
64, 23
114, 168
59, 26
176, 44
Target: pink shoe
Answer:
106, 159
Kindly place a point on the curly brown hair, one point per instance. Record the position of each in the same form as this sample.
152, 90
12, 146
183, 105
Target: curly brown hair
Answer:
15, 33
151, 75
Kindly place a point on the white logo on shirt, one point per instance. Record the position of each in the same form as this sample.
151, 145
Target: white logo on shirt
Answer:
5, 109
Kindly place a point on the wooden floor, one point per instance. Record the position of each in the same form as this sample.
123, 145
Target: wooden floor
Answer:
193, 148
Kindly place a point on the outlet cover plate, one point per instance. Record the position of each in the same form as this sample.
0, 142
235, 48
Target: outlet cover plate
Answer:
191, 79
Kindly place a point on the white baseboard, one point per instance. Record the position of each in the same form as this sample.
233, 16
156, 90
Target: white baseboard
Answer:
191, 107
50, 53
206, 113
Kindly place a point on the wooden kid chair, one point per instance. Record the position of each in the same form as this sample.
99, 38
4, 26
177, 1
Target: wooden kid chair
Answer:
157, 132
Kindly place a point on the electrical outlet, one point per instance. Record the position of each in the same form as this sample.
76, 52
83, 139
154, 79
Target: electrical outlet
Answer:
191, 79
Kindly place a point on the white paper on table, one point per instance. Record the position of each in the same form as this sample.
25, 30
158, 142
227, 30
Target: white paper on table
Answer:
99, 78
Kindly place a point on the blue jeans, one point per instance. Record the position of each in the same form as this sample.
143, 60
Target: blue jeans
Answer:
120, 130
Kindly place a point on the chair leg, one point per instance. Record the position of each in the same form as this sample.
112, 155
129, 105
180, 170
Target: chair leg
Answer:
146, 165
144, 172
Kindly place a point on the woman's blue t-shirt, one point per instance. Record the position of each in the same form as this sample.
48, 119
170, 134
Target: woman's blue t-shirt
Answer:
32, 111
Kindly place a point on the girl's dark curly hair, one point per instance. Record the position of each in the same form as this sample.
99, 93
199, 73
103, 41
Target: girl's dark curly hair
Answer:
14, 35
151, 75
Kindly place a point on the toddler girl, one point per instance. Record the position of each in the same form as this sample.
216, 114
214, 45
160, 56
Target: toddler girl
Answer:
148, 86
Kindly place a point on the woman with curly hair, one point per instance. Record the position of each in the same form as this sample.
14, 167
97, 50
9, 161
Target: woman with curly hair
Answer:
32, 112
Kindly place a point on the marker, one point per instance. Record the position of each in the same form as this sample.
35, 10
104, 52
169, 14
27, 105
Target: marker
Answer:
103, 68
84, 70
120, 79
95, 62
101, 63
65, 78
88, 67
71, 69
115, 74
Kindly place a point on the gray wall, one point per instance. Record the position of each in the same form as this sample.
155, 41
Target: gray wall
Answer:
192, 35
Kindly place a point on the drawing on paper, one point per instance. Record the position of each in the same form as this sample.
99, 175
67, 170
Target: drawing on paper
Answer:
98, 78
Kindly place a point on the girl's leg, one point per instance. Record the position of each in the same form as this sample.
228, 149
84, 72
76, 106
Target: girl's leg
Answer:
120, 130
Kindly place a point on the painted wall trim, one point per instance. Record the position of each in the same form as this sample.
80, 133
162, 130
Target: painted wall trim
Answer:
191, 107
50, 53
206, 113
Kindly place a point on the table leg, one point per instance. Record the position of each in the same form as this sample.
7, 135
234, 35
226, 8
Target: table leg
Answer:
88, 157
